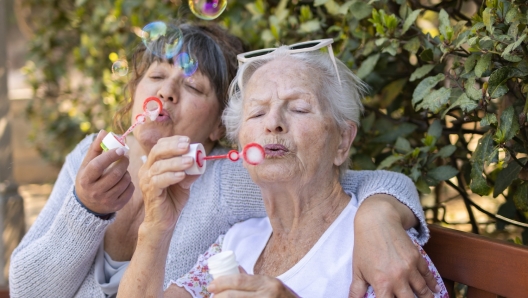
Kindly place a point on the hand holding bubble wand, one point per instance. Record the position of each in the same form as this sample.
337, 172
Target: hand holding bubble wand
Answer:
151, 109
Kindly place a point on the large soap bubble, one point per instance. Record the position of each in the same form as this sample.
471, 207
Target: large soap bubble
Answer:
187, 63
207, 9
162, 40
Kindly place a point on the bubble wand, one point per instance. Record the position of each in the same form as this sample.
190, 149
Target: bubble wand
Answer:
151, 108
252, 153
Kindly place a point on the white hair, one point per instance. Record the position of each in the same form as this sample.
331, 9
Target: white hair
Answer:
341, 99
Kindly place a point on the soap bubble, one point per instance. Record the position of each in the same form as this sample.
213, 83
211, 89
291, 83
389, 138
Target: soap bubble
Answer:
162, 40
187, 63
207, 9
120, 67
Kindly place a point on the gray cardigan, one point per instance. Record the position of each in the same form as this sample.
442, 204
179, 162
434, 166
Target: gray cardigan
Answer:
56, 257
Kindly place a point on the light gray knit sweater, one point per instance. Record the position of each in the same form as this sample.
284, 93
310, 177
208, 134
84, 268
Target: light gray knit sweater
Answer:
56, 256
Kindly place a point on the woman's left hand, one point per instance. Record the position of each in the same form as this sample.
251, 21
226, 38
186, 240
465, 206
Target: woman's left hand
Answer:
245, 285
384, 256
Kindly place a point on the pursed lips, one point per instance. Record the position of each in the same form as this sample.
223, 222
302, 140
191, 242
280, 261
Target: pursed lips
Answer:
275, 150
163, 115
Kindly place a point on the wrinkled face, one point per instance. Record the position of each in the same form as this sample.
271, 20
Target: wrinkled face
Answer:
282, 113
190, 106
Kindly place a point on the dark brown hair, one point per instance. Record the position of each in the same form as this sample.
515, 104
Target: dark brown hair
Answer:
213, 47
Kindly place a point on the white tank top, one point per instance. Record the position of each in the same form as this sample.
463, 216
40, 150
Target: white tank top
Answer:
325, 271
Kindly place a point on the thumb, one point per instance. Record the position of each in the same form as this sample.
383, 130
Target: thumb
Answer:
241, 269
358, 288
95, 148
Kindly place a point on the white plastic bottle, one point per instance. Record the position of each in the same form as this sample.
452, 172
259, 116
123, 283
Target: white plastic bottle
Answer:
223, 264
111, 141
197, 152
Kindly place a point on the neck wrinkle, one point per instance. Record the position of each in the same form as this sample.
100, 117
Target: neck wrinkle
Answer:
293, 210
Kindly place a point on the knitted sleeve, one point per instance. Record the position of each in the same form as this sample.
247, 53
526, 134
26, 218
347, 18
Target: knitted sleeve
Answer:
57, 252
367, 183
244, 200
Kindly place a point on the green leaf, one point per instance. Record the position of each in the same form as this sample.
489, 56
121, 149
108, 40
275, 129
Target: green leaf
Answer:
435, 129
389, 161
499, 78
520, 198
344, 8
488, 119
506, 177
471, 91
445, 151
478, 184
444, 24
394, 132
514, 45
508, 126
470, 62
425, 86
367, 122
466, 104
310, 26
435, 100
413, 45
360, 10
410, 20
391, 91
427, 55
319, 2
488, 19
420, 72
392, 48
362, 162
402, 145
483, 64
422, 186
512, 15
442, 173
367, 66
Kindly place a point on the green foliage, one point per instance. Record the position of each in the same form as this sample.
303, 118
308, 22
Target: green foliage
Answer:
436, 74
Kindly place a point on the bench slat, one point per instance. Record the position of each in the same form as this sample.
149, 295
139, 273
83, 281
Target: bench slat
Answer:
487, 264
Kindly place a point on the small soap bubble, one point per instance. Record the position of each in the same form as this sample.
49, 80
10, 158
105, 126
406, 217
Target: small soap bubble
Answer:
188, 64
162, 40
120, 67
207, 9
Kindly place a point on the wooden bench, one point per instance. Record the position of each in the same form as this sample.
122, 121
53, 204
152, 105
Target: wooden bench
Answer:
489, 267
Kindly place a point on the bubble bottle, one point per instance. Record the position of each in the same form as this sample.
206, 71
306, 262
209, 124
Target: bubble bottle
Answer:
223, 264
151, 109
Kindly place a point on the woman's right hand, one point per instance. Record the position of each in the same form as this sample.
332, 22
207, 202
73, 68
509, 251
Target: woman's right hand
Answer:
103, 183
164, 184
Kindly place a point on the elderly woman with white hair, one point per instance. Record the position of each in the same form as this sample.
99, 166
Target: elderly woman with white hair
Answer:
303, 107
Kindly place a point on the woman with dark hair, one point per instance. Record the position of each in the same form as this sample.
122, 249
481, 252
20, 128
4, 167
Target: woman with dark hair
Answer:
85, 236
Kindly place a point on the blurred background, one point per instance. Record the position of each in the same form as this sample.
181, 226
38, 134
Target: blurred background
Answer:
57, 56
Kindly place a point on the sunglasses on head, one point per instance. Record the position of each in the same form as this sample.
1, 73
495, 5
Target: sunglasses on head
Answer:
302, 47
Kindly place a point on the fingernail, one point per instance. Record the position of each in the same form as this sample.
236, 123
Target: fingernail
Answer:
187, 160
179, 174
99, 133
120, 151
183, 143
438, 288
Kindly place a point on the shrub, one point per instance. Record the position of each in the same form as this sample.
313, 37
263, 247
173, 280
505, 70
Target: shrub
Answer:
448, 80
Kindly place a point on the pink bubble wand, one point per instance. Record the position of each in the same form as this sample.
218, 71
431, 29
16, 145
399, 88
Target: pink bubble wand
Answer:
252, 153
151, 108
